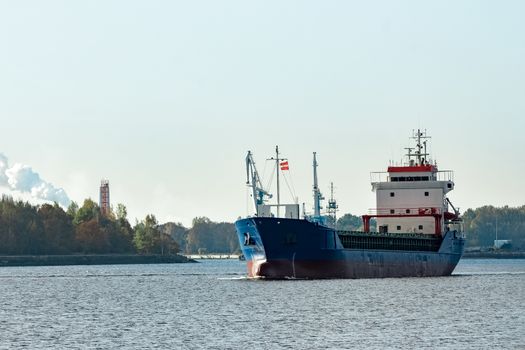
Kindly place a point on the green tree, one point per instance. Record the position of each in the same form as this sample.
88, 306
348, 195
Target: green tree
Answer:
177, 232
59, 233
21, 229
212, 236
147, 235
92, 238
89, 211
349, 222
72, 209
118, 231
198, 235
481, 225
122, 212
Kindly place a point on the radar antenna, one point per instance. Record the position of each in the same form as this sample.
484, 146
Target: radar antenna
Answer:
420, 155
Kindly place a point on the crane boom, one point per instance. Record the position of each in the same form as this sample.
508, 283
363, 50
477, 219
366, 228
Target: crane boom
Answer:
253, 180
318, 197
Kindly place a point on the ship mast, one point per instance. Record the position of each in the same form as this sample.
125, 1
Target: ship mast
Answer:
332, 204
278, 167
317, 193
278, 191
420, 155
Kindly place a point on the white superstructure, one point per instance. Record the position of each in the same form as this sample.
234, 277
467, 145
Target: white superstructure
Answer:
413, 197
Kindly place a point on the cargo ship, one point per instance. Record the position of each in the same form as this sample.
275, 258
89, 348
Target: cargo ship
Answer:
418, 230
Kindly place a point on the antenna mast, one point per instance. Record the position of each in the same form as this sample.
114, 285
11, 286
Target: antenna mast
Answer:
278, 167
420, 155
332, 204
278, 191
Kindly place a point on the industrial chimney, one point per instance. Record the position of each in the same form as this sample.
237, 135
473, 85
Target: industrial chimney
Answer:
104, 197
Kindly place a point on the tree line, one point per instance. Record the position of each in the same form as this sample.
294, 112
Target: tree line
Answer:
47, 229
481, 225
205, 236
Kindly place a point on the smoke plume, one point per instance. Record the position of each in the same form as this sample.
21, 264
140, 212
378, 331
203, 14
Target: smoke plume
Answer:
23, 179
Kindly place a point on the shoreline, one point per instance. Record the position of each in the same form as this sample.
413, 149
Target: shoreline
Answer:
90, 259
131, 259
493, 255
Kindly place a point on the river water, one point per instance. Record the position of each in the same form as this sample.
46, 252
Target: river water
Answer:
210, 305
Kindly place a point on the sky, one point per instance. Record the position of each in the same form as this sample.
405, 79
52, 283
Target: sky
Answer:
164, 98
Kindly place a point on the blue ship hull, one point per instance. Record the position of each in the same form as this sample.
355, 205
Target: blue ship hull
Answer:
279, 248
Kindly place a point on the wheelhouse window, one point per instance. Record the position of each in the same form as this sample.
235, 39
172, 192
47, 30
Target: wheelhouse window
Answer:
409, 178
426, 194
392, 194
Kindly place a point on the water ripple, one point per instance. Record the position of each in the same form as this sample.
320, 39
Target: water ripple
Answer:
213, 305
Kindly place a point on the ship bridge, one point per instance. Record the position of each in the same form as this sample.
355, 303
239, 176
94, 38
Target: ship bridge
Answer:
412, 177
412, 197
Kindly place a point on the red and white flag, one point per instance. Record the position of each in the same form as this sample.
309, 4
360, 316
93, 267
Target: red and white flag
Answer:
284, 165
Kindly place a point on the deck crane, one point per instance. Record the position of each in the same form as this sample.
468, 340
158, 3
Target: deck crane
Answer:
253, 181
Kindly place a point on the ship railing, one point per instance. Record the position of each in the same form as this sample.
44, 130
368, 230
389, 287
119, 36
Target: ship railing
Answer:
420, 211
390, 242
384, 176
386, 234
379, 176
445, 175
